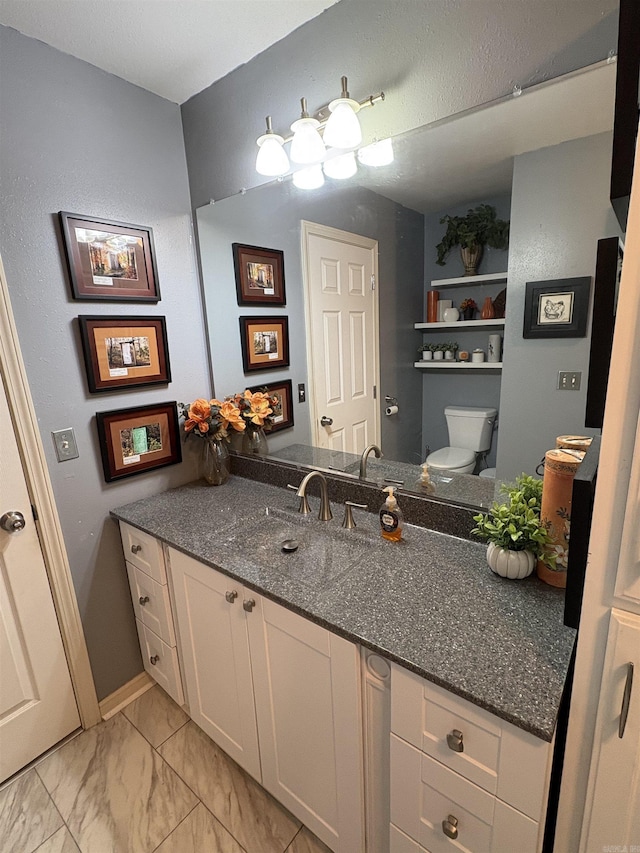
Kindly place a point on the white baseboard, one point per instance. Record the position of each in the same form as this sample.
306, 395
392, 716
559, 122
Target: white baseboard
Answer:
121, 697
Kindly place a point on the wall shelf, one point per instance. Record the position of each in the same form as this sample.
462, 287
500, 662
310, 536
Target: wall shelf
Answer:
463, 325
489, 278
460, 365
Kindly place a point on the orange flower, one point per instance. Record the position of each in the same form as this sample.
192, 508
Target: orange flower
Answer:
260, 407
199, 413
230, 415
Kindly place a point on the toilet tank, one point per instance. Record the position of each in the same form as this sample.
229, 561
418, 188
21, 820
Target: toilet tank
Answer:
470, 427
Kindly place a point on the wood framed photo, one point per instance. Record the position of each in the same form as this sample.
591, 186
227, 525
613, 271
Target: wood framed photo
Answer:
282, 417
556, 309
124, 352
138, 439
259, 275
109, 260
265, 342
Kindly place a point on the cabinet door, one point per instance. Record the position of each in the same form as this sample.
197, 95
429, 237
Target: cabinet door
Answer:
214, 643
307, 689
615, 781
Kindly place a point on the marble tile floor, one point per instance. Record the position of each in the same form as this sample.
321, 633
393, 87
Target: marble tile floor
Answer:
148, 779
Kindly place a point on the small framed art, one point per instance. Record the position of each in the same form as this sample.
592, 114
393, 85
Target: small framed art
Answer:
259, 275
282, 417
556, 309
138, 439
124, 352
265, 342
109, 260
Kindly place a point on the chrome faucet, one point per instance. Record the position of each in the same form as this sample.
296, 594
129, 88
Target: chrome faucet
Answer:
325, 510
364, 457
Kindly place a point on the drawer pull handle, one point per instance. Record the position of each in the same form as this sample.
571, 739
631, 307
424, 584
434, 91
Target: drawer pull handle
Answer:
249, 604
144, 599
231, 596
450, 826
153, 660
454, 741
135, 549
626, 700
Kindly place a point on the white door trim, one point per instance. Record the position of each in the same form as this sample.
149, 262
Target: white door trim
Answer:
313, 228
48, 525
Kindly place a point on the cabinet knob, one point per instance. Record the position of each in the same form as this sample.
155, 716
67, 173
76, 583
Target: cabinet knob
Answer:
153, 660
450, 826
231, 595
249, 604
135, 549
144, 599
454, 741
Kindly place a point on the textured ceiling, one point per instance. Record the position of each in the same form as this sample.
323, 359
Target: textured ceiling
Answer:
174, 48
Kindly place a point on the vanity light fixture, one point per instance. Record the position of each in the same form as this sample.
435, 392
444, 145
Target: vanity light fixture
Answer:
272, 159
376, 154
307, 146
340, 167
343, 128
310, 178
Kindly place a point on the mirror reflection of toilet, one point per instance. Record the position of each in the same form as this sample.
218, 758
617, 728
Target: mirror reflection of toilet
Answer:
470, 429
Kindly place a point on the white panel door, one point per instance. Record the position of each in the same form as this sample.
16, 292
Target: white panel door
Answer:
214, 643
342, 328
37, 704
307, 691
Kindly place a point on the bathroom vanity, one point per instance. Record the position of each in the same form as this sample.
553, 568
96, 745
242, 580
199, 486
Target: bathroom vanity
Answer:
393, 696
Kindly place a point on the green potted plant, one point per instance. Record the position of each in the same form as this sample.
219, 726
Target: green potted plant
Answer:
516, 535
450, 349
426, 351
438, 351
479, 228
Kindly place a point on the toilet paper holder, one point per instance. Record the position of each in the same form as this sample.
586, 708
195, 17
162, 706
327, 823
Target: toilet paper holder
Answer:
391, 405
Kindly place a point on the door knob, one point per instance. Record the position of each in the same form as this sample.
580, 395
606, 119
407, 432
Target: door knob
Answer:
12, 521
325, 421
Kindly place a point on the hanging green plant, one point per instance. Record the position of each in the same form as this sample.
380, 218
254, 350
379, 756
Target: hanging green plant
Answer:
479, 228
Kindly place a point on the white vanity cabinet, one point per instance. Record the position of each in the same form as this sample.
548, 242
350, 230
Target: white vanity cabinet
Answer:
461, 778
280, 695
154, 618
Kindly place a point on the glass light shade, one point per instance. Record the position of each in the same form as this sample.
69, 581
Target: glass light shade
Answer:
343, 128
310, 178
306, 146
341, 167
272, 159
377, 154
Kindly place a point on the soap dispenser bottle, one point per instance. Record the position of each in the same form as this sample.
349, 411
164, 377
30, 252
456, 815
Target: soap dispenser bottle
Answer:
426, 483
391, 518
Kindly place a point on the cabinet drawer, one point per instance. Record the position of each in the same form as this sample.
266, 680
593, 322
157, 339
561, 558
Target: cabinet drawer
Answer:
143, 551
161, 662
425, 794
490, 752
151, 604
401, 843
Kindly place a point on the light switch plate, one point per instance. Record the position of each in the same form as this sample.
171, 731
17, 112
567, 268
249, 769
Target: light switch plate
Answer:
302, 394
569, 380
64, 441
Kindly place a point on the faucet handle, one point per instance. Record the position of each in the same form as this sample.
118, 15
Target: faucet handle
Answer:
303, 508
348, 520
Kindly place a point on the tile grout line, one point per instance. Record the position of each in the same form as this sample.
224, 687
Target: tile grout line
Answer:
199, 803
55, 805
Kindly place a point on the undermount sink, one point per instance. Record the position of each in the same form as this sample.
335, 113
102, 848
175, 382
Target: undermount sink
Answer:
324, 550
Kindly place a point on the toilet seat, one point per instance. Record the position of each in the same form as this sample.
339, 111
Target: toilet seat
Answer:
452, 459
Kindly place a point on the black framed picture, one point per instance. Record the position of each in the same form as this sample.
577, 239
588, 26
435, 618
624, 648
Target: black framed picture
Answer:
265, 342
282, 417
556, 308
259, 275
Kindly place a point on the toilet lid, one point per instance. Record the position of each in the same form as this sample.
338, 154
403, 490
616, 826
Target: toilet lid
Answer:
451, 458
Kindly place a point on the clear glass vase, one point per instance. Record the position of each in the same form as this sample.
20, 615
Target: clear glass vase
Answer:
215, 464
254, 441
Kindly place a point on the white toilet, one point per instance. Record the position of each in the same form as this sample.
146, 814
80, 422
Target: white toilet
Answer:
470, 431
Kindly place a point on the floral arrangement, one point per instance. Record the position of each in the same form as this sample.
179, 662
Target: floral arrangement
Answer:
254, 408
468, 303
211, 418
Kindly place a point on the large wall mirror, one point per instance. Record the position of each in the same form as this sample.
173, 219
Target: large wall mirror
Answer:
537, 159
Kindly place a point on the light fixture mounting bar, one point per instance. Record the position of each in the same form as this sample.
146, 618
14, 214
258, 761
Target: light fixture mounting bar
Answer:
322, 115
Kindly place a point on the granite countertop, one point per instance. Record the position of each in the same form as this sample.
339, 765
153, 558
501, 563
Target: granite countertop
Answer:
429, 602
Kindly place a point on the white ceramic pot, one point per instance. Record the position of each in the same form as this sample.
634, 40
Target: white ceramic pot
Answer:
450, 315
510, 564
438, 355
448, 355
427, 355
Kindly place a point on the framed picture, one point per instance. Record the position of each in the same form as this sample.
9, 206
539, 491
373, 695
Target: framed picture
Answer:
259, 275
282, 417
124, 352
109, 260
556, 309
138, 439
265, 342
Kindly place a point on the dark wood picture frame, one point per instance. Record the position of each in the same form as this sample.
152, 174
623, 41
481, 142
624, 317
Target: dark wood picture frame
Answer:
128, 439
259, 275
556, 308
117, 265
265, 342
124, 352
605, 297
283, 419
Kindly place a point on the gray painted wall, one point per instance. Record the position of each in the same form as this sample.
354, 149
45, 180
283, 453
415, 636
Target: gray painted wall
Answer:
432, 59
270, 216
75, 138
560, 209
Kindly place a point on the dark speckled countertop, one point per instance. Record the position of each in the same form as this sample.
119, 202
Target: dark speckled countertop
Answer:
430, 602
